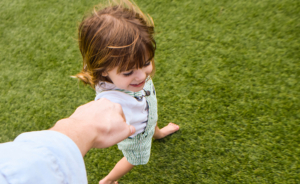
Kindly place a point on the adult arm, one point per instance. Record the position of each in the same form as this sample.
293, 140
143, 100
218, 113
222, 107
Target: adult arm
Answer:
55, 155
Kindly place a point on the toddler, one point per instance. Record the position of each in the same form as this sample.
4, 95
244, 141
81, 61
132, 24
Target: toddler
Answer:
117, 47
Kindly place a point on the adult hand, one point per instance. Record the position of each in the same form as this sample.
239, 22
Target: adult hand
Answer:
97, 124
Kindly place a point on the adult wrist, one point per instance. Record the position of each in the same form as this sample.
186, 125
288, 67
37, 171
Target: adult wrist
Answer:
81, 133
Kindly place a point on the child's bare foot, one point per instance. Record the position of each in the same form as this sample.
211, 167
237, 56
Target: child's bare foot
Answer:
107, 182
165, 131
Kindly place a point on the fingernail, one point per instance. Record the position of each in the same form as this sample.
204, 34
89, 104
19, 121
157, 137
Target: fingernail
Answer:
132, 129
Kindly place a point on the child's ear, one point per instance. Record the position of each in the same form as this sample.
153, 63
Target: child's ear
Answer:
104, 74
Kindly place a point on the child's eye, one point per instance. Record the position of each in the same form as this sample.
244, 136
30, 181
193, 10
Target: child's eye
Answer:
147, 63
128, 73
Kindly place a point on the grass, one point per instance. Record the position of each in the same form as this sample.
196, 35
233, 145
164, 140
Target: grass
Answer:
227, 72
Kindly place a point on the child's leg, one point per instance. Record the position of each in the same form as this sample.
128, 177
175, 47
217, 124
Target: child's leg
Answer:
120, 169
167, 130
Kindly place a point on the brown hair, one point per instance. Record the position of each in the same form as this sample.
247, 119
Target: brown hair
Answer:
119, 35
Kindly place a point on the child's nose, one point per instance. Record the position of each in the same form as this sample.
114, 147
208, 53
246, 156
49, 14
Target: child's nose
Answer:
141, 75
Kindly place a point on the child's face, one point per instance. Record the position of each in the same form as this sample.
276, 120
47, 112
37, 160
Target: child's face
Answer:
131, 80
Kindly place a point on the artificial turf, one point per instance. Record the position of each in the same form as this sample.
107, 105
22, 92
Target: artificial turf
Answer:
226, 71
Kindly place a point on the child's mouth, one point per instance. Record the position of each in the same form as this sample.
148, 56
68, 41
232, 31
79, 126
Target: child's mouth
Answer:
138, 85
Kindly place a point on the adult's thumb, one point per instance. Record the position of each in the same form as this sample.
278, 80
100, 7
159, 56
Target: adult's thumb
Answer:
132, 130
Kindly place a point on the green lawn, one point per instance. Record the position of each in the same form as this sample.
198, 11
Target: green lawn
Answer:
227, 72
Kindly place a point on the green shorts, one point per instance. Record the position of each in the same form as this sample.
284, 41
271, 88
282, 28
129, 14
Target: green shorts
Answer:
137, 149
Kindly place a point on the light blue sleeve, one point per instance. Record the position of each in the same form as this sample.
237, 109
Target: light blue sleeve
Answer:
42, 157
